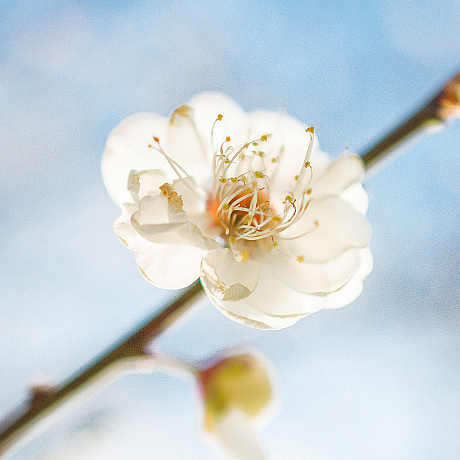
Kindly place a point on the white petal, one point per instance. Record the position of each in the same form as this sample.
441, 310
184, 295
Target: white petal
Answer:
289, 141
164, 265
236, 435
206, 107
183, 142
169, 266
338, 176
227, 279
357, 197
127, 149
158, 220
141, 183
312, 278
125, 230
273, 305
354, 287
330, 226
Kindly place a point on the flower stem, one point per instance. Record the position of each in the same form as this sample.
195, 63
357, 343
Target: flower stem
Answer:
128, 355
444, 106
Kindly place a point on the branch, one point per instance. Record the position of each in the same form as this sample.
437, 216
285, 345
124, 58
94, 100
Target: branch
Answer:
122, 357
444, 106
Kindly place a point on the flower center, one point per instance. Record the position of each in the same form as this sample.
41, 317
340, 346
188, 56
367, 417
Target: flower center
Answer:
240, 199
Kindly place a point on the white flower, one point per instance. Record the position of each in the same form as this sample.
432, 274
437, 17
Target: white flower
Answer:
248, 202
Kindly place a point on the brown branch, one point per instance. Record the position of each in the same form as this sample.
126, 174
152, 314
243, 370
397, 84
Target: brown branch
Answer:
443, 106
46, 401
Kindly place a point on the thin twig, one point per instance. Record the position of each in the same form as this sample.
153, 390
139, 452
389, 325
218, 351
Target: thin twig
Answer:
111, 364
444, 106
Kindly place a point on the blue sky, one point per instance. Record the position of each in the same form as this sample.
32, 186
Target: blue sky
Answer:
378, 379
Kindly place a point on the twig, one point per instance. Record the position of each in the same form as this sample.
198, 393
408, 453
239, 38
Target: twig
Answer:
129, 352
444, 106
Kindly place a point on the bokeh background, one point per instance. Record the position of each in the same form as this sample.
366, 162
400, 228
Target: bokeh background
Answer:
378, 379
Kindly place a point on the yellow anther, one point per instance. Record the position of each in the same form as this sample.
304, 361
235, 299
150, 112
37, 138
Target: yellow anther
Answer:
288, 198
276, 219
232, 239
307, 164
228, 138
226, 161
234, 179
223, 180
296, 177
219, 117
309, 190
156, 139
274, 160
274, 244
300, 259
311, 129
255, 144
316, 223
264, 138
225, 206
259, 174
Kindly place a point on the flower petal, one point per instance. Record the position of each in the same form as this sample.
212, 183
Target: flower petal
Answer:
235, 122
184, 143
286, 146
169, 266
164, 265
141, 183
236, 435
329, 227
273, 305
312, 278
161, 219
127, 149
228, 279
338, 176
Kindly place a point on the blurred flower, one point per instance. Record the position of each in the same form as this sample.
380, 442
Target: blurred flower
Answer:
237, 393
248, 202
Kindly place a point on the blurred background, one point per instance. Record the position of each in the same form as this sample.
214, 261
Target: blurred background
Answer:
378, 379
